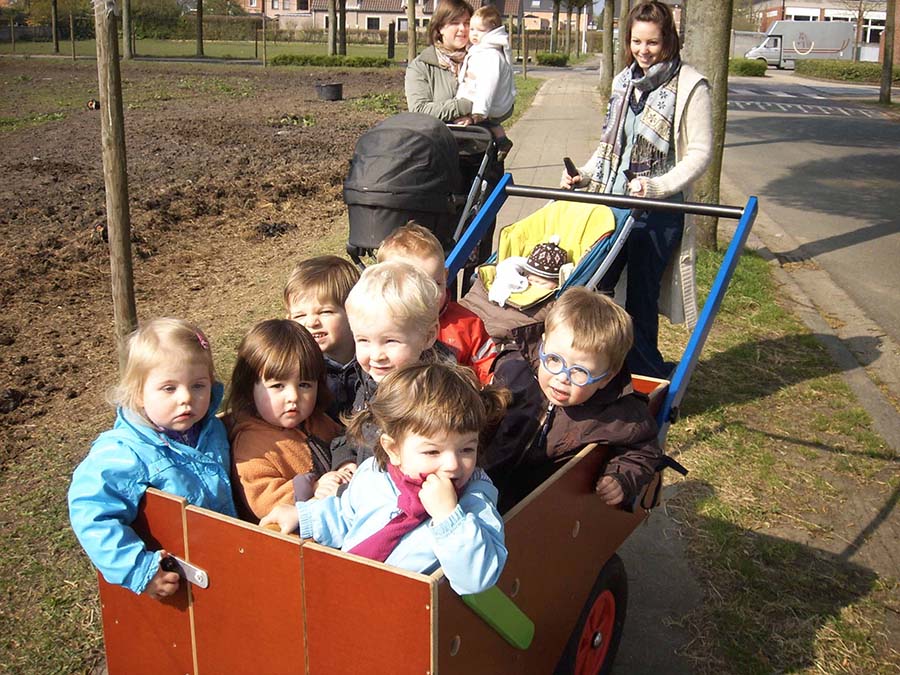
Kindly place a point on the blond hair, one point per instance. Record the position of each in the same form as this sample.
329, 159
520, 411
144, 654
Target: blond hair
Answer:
410, 241
168, 341
429, 399
272, 350
405, 293
327, 278
489, 16
597, 323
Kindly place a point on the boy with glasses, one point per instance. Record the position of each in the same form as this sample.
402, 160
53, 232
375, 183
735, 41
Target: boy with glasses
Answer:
570, 388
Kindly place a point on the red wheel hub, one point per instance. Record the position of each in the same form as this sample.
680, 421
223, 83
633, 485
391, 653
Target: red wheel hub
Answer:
596, 635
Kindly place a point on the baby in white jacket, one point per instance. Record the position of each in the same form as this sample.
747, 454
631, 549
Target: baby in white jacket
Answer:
486, 76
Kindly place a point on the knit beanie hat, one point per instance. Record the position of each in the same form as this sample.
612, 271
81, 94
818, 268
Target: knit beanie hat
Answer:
546, 259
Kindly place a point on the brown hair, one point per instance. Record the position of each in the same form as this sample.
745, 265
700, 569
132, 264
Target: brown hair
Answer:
490, 16
446, 11
660, 14
271, 351
155, 342
326, 277
597, 323
428, 399
410, 240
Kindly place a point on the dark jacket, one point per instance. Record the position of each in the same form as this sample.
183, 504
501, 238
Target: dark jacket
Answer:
342, 379
520, 454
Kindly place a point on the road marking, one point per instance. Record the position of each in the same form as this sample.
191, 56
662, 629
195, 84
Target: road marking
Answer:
783, 94
743, 92
807, 109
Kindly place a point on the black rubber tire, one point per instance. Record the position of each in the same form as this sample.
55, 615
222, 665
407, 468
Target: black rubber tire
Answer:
614, 579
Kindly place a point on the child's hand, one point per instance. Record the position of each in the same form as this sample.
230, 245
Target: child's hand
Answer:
163, 584
328, 484
438, 496
346, 471
283, 515
609, 490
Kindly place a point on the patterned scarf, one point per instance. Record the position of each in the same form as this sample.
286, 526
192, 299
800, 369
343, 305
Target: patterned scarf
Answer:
451, 60
649, 154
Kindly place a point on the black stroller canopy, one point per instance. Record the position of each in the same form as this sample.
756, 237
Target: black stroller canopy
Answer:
410, 162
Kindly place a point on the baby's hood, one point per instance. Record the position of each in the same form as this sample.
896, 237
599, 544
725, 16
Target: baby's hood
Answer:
497, 38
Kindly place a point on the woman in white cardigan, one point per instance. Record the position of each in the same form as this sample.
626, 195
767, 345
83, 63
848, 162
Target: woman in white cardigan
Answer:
656, 141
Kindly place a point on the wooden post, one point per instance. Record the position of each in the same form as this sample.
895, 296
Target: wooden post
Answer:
115, 176
255, 42
72, 34
200, 27
127, 42
524, 53
12, 34
410, 30
265, 51
54, 25
392, 40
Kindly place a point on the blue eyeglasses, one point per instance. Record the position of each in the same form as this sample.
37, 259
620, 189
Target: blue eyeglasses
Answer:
578, 375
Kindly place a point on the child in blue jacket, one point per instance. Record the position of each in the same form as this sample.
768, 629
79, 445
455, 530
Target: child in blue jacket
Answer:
166, 436
421, 501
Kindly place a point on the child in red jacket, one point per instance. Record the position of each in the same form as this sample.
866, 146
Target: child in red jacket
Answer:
460, 329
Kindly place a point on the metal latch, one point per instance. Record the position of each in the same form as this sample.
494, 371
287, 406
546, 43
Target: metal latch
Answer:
185, 570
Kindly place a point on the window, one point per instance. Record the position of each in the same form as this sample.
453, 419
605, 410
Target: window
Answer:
373, 23
535, 3
286, 5
402, 24
253, 3
274, 4
302, 5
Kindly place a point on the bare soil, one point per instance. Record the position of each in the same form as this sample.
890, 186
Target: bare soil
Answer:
234, 175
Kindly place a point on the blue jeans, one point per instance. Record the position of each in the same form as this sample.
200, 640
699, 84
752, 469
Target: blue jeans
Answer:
653, 239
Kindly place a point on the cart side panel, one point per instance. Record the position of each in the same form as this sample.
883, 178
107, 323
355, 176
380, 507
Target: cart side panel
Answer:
365, 617
250, 617
143, 635
558, 538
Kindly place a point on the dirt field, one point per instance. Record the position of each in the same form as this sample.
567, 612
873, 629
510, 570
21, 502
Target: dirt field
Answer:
234, 175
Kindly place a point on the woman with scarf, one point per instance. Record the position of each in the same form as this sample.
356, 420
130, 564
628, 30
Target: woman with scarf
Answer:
432, 77
656, 141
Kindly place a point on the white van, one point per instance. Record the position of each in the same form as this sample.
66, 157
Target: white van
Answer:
790, 41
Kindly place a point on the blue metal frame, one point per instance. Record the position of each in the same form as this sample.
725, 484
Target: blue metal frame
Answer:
682, 376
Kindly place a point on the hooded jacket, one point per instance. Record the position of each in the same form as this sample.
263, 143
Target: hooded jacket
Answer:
431, 88
486, 76
123, 462
267, 459
616, 416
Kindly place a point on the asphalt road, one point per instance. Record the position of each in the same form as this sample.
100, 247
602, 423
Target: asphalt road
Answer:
825, 164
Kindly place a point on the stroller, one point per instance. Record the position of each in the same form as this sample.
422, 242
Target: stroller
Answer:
415, 167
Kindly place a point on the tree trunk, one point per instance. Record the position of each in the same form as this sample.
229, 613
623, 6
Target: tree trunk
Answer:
568, 29
887, 68
332, 27
554, 26
200, 27
342, 27
127, 41
115, 177
624, 10
606, 67
860, 16
54, 27
410, 30
706, 42
578, 34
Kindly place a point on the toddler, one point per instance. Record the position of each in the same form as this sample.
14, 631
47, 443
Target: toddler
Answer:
420, 502
314, 297
459, 329
571, 389
393, 313
486, 76
166, 436
279, 431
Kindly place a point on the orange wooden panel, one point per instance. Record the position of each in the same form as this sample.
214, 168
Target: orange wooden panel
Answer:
365, 617
250, 618
558, 538
652, 387
143, 635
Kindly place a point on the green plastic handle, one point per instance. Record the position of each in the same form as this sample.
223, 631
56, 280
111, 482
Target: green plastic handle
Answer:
502, 614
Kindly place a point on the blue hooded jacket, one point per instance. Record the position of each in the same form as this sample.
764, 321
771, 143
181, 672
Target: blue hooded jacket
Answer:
123, 462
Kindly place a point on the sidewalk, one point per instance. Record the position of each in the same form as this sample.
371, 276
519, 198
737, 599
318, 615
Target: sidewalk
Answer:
565, 120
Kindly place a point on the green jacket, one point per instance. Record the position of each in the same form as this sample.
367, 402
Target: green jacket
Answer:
431, 89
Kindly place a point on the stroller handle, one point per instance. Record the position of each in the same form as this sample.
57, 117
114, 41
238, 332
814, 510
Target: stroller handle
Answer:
637, 203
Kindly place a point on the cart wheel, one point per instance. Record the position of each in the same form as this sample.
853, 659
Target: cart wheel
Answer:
592, 648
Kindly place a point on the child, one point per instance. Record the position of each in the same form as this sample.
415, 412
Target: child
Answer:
421, 502
166, 436
486, 76
459, 328
545, 268
393, 313
571, 389
279, 431
314, 297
